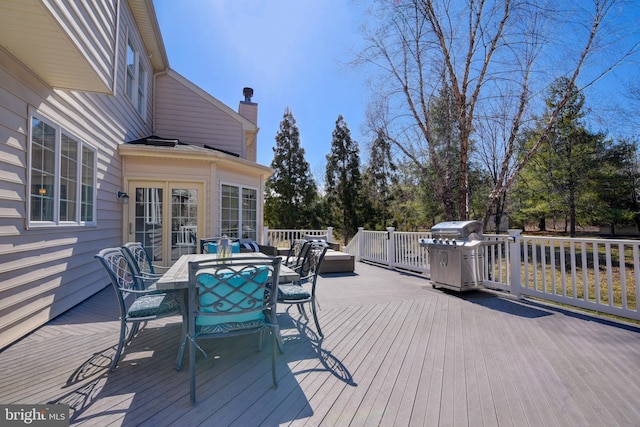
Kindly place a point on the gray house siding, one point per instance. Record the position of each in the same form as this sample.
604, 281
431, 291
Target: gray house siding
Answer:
195, 117
44, 271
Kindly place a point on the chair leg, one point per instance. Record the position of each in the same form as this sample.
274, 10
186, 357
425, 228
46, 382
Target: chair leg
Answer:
314, 310
185, 331
278, 338
181, 349
133, 331
275, 342
303, 312
192, 371
116, 357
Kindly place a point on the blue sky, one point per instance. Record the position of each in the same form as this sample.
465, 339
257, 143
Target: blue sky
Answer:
291, 52
294, 53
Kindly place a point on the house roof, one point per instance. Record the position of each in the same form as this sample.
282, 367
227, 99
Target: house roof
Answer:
145, 15
158, 141
168, 148
59, 42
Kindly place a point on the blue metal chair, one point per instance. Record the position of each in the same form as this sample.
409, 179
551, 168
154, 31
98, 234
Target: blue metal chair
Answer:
147, 304
230, 297
296, 293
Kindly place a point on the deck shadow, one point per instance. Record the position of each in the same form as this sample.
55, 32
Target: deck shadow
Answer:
329, 362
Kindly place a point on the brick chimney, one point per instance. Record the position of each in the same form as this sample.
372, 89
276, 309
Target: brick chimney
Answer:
248, 109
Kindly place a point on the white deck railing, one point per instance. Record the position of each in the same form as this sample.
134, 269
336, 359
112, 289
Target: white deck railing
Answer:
283, 238
596, 274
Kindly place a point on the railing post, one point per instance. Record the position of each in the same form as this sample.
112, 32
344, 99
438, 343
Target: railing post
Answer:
329, 234
265, 236
391, 247
515, 246
360, 243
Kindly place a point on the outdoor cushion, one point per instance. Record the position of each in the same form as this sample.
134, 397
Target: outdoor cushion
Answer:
225, 299
250, 245
292, 292
336, 255
154, 304
213, 248
230, 326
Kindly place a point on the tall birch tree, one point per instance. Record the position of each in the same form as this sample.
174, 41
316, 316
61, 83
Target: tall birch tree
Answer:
496, 57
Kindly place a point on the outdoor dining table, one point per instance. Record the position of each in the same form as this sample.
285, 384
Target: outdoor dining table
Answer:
177, 277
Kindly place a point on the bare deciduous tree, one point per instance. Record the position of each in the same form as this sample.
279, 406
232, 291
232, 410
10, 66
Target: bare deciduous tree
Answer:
496, 59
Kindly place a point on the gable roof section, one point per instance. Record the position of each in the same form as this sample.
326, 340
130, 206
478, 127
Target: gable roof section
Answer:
246, 124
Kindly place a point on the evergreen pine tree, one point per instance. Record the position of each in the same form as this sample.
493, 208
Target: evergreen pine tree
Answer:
343, 181
563, 178
379, 181
291, 192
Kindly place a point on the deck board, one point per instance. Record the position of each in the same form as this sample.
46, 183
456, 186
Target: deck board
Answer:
395, 352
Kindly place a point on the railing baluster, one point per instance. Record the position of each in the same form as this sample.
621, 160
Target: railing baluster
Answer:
623, 276
609, 275
596, 271
585, 280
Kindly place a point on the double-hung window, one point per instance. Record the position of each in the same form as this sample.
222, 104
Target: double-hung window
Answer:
62, 179
239, 211
136, 79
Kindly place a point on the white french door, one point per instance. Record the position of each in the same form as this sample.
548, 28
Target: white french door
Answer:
166, 217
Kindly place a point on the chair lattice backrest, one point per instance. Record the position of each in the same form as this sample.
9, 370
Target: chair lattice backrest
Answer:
310, 265
119, 269
141, 260
120, 272
296, 253
237, 291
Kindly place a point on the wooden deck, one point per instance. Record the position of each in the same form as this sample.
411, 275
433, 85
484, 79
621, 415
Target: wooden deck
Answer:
396, 352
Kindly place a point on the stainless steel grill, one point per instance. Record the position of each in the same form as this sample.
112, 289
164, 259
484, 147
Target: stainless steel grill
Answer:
455, 252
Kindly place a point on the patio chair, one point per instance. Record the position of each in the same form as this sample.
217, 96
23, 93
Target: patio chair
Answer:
141, 260
295, 293
230, 298
296, 255
147, 304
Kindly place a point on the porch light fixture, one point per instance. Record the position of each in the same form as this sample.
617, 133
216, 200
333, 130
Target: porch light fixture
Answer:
42, 191
124, 197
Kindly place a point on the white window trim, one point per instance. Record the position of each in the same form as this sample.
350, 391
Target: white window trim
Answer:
136, 84
33, 113
240, 188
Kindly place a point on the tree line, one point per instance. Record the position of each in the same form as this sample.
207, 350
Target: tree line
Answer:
578, 177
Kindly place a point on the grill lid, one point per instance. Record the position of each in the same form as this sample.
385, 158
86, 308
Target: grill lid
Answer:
459, 230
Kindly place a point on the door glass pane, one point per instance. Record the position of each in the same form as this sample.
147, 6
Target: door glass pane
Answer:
148, 220
184, 222
230, 212
249, 213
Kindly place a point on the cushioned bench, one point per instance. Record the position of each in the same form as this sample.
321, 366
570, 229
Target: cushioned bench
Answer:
337, 262
334, 261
